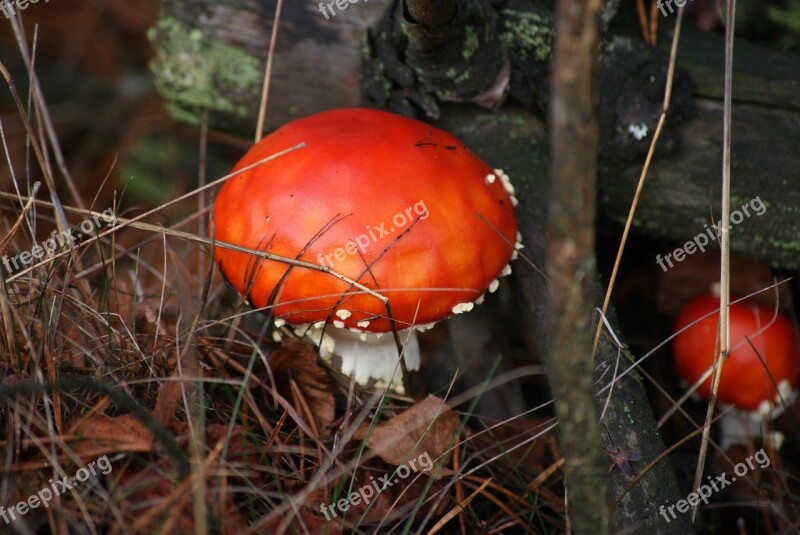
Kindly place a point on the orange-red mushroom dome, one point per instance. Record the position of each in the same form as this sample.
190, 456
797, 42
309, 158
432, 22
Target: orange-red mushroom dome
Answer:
390, 202
744, 382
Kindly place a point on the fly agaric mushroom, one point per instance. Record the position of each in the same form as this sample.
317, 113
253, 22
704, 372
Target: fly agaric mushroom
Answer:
745, 383
392, 203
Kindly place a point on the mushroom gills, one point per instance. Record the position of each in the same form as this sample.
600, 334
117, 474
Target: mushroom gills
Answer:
366, 356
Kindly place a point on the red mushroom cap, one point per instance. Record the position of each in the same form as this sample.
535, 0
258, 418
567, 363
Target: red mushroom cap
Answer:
393, 203
744, 381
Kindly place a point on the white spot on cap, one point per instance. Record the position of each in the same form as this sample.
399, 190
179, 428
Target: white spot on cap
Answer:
319, 325
463, 307
777, 438
343, 314
490, 178
279, 322
764, 408
514, 200
363, 324
506, 271
494, 286
514, 254
276, 336
479, 301
785, 390
363, 337
506, 184
338, 324
425, 327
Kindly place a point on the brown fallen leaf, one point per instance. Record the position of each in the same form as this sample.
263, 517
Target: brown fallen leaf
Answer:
427, 428
167, 401
299, 362
110, 434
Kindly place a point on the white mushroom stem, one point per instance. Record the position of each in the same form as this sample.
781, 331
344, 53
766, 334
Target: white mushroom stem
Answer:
741, 427
366, 356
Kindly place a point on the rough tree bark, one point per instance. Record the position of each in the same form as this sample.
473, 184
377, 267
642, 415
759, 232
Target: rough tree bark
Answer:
571, 260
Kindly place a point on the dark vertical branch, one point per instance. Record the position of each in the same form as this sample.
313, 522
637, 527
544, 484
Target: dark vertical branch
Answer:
431, 13
431, 25
571, 262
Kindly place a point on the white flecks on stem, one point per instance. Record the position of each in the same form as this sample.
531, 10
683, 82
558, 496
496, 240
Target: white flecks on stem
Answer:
784, 397
742, 427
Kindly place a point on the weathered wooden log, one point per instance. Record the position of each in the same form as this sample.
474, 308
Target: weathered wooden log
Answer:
682, 191
210, 55
681, 197
514, 140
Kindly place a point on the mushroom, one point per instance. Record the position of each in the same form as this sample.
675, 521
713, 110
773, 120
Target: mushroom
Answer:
745, 383
392, 203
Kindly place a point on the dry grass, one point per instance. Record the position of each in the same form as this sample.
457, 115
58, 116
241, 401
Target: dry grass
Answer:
129, 345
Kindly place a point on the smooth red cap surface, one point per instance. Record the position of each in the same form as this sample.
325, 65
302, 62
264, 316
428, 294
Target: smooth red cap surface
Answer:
744, 381
398, 205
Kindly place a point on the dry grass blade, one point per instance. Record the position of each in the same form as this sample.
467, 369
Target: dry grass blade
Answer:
20, 218
43, 111
310, 385
273, 40
457, 509
642, 16
725, 247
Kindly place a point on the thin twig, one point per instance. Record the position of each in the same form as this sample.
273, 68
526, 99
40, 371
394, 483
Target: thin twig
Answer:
44, 113
640, 186
642, 16
262, 110
18, 223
